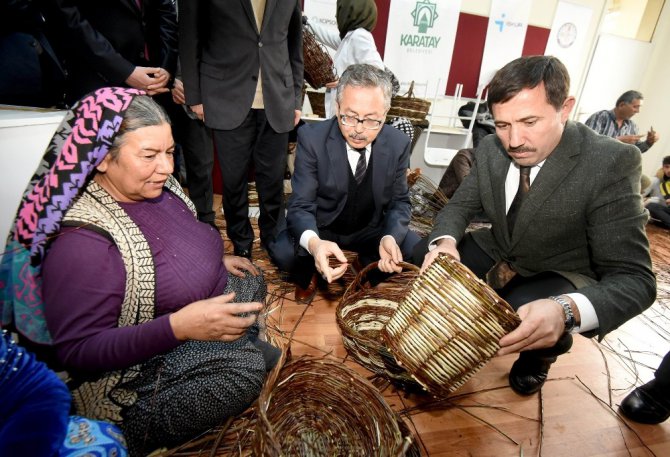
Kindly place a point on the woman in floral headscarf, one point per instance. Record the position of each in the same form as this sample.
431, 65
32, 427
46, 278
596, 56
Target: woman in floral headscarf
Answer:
107, 262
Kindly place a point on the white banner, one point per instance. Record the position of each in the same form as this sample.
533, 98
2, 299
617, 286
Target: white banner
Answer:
322, 12
508, 22
567, 39
420, 43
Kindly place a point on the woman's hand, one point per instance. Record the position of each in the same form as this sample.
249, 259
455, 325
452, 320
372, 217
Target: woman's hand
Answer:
332, 84
238, 265
213, 319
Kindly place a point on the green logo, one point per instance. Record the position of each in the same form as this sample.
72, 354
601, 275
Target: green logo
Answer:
424, 15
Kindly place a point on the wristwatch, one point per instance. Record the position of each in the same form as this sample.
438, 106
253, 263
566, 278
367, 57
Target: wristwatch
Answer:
570, 322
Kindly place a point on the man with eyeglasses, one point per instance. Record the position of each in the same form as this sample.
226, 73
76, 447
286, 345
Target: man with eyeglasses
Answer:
349, 188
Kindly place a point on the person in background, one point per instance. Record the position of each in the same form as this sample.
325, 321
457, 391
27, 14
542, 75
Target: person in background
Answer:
197, 147
156, 327
115, 43
349, 188
617, 122
242, 69
354, 44
567, 246
650, 403
458, 169
658, 197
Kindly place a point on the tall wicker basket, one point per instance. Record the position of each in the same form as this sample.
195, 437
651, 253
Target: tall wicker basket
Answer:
362, 313
447, 326
317, 62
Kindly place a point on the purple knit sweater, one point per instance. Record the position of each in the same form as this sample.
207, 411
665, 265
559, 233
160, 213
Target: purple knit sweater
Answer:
84, 285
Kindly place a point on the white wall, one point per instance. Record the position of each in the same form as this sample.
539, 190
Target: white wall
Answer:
655, 86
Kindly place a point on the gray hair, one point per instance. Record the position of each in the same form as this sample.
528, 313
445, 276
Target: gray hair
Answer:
365, 75
628, 97
143, 111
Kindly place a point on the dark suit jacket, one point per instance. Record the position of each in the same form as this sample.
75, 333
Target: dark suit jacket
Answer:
221, 51
583, 218
321, 178
103, 41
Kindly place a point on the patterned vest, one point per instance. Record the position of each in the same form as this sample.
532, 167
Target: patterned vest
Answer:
95, 209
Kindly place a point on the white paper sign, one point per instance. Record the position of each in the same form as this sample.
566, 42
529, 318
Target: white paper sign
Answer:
508, 22
420, 43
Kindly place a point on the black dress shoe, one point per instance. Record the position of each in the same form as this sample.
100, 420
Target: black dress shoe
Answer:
529, 373
648, 404
243, 253
305, 295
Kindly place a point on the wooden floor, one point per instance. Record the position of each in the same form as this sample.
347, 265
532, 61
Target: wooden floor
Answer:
574, 415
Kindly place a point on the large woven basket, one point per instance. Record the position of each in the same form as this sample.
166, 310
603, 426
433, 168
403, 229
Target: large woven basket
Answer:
362, 313
447, 326
409, 106
318, 64
322, 408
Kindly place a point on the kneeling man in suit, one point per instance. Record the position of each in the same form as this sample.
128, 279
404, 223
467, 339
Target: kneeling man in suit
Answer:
349, 188
567, 246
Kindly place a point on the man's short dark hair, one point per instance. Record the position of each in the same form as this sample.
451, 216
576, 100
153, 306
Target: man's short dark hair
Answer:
628, 97
666, 160
527, 73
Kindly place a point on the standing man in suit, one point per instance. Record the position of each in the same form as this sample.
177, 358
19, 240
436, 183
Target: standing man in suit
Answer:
115, 43
567, 246
242, 70
349, 187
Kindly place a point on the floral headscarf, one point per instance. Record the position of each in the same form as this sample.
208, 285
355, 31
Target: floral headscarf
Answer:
78, 146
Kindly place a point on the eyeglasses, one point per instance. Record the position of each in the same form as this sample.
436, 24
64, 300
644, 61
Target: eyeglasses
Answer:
353, 121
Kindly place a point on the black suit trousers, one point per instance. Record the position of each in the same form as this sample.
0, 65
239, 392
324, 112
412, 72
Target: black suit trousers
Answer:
254, 141
197, 147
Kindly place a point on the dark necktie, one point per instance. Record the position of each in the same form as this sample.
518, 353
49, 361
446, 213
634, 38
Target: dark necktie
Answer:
524, 187
361, 166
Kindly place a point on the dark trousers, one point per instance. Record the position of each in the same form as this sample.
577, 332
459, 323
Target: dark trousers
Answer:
253, 140
197, 148
287, 254
519, 291
660, 212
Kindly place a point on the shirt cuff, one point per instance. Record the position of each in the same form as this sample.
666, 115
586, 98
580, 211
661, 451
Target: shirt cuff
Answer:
305, 237
433, 244
587, 314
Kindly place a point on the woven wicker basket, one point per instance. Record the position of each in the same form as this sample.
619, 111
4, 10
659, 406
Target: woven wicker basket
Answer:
361, 315
447, 326
415, 109
323, 408
318, 64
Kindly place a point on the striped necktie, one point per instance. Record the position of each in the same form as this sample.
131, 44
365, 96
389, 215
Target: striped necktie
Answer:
361, 166
524, 187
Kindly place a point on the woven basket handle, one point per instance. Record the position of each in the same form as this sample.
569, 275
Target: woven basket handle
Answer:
410, 91
359, 280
